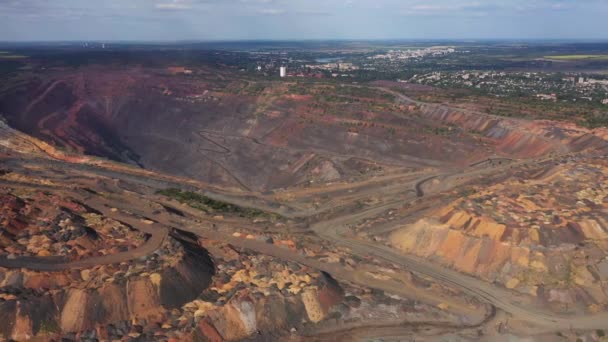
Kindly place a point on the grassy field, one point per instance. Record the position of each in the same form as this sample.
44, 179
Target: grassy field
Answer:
578, 57
211, 206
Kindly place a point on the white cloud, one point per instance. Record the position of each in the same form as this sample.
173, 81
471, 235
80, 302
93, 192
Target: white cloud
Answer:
271, 11
257, 1
233, 19
174, 5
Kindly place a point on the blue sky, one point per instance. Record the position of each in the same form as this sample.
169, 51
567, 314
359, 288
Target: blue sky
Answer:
301, 19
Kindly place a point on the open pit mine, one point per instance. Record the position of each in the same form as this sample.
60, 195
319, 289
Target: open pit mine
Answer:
138, 204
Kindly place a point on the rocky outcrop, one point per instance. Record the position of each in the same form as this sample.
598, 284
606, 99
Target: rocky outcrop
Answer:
42, 225
235, 321
476, 253
39, 304
542, 232
317, 302
509, 138
245, 316
517, 137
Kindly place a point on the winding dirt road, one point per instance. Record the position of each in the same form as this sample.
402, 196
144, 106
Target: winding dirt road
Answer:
157, 235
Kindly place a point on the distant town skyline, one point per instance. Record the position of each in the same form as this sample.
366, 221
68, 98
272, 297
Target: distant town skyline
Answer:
162, 20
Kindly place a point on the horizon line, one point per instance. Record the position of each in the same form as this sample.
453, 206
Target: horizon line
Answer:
295, 40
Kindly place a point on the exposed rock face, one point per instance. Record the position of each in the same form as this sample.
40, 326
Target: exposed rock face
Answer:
235, 321
542, 236
113, 303
519, 138
253, 294
319, 301
83, 306
142, 298
105, 112
481, 255
38, 224
271, 313
183, 282
310, 298
244, 316
74, 311
24, 329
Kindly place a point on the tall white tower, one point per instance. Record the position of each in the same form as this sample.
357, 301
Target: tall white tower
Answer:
283, 71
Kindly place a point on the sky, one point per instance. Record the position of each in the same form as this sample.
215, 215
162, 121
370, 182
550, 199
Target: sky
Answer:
204, 20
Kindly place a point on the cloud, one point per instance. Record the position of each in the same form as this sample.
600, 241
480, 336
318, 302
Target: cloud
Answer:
271, 11
444, 7
313, 13
234, 19
174, 5
256, 1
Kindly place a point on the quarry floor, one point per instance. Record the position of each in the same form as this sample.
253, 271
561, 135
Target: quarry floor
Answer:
331, 229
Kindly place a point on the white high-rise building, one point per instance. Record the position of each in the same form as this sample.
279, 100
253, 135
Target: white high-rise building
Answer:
283, 71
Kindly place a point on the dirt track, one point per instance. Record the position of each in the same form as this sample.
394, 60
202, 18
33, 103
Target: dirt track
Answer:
157, 234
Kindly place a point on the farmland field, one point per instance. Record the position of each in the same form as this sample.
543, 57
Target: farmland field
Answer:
578, 57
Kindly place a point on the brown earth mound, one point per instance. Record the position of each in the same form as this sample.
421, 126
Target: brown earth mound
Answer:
104, 300
43, 225
543, 234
